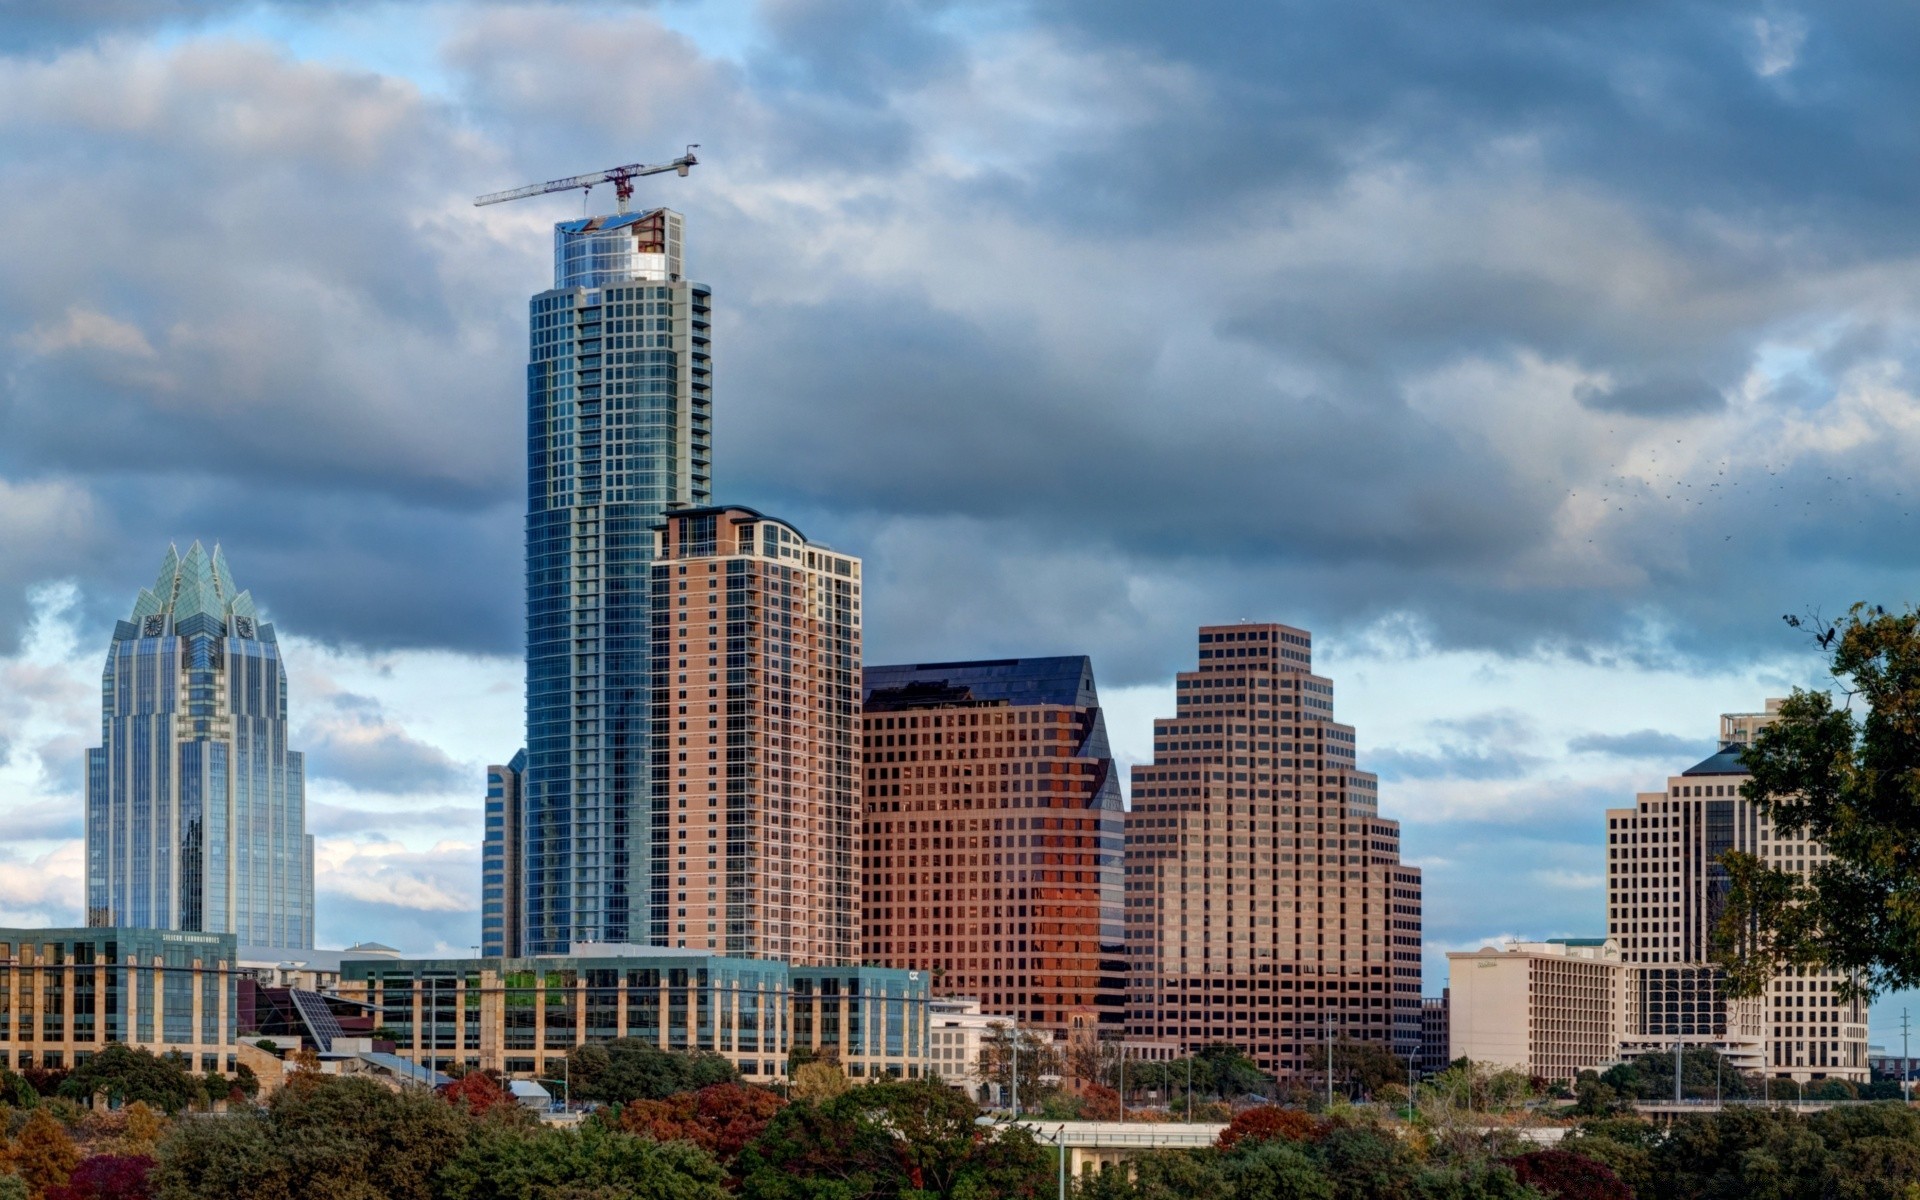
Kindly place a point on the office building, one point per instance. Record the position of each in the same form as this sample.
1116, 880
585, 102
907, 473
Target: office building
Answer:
1551, 1009
1666, 890
756, 716
619, 419
66, 994
1436, 1046
196, 807
520, 1016
993, 837
1266, 902
959, 1031
502, 901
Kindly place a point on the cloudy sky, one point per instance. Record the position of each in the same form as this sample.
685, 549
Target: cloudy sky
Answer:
1536, 357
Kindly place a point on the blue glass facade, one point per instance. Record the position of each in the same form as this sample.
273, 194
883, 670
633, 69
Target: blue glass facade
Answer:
619, 420
196, 808
500, 899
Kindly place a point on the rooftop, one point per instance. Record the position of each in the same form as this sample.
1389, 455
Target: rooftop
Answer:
1065, 680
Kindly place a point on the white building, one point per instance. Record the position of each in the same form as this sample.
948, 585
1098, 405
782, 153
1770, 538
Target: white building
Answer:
957, 1029
1553, 1008
1666, 890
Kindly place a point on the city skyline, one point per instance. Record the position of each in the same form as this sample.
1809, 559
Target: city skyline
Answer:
1493, 392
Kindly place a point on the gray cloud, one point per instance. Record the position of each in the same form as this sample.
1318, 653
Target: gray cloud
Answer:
1644, 743
369, 753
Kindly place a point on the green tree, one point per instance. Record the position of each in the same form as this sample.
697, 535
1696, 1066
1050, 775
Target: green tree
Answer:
1368, 1164
518, 1162
627, 1069
1035, 1060
1159, 1175
914, 1138
125, 1074
1366, 1067
12, 1187
1847, 775
1230, 1073
322, 1137
1277, 1170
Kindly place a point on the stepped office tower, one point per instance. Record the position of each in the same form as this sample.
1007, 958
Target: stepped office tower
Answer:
1266, 902
994, 835
619, 414
756, 724
196, 809
1666, 890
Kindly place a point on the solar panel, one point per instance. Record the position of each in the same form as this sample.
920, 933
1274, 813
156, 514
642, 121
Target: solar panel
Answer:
319, 1019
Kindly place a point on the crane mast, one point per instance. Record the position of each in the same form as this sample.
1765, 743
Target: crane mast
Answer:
620, 177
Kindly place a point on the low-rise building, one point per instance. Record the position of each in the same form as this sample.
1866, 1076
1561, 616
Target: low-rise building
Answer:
957, 1031
1552, 1009
65, 994
520, 1016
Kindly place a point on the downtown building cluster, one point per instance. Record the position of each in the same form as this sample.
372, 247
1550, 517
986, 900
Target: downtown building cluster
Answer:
711, 768
727, 832
1556, 1008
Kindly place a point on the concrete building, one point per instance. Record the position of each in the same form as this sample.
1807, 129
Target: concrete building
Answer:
993, 837
196, 808
502, 892
959, 1027
66, 994
1267, 905
1665, 891
520, 1016
1552, 1009
756, 757
619, 429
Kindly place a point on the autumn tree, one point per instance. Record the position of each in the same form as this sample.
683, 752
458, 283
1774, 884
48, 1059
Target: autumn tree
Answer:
819, 1081
721, 1119
43, 1152
1564, 1175
1846, 774
108, 1177
1270, 1122
477, 1092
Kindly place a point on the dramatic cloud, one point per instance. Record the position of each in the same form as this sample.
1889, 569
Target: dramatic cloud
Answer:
357, 745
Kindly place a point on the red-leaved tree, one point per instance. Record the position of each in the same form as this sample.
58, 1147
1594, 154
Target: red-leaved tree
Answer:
1269, 1123
108, 1177
720, 1119
1569, 1176
478, 1091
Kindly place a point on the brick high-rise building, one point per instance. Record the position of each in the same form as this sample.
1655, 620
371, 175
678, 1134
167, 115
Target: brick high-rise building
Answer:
993, 837
756, 717
1666, 890
1266, 902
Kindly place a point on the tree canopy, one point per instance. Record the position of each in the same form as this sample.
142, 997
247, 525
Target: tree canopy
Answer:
628, 1069
1848, 775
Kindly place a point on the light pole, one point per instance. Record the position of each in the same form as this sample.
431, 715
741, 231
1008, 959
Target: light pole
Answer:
1189, 1086
1014, 1037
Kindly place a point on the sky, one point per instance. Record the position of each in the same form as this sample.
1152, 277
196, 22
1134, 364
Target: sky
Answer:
1537, 358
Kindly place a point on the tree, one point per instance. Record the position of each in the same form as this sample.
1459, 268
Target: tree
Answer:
890, 1139
1367, 1066
1159, 1175
125, 1074
818, 1081
477, 1092
322, 1137
108, 1177
12, 1187
1850, 780
1035, 1060
1564, 1175
1230, 1074
43, 1152
627, 1069
1271, 1123
721, 1119
518, 1162
142, 1130
1368, 1164
1277, 1170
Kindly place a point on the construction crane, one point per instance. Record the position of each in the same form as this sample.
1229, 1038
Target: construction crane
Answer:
620, 177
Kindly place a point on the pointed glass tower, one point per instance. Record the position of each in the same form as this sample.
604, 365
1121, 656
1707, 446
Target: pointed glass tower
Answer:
196, 809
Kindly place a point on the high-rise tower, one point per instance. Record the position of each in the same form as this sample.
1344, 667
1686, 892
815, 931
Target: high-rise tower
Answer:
1267, 905
756, 722
196, 809
619, 419
994, 837
1666, 891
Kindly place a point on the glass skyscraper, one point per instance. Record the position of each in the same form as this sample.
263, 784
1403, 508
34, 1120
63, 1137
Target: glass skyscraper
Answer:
619, 428
196, 809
